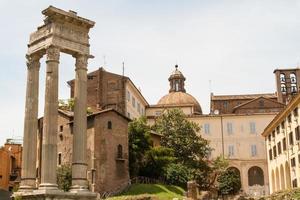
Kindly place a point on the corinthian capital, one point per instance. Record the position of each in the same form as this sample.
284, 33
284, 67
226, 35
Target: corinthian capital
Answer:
81, 61
33, 61
53, 53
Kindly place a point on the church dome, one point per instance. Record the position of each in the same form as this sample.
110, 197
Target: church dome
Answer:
180, 98
177, 94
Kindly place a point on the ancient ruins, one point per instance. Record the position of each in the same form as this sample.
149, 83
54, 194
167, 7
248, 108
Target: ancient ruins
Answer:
68, 33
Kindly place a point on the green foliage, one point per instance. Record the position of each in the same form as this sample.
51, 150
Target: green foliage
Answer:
64, 177
229, 182
165, 192
180, 135
178, 174
139, 143
71, 104
155, 161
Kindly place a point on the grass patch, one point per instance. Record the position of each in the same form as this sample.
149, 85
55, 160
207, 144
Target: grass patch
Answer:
163, 192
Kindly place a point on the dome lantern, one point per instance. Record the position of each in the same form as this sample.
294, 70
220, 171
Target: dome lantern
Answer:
176, 81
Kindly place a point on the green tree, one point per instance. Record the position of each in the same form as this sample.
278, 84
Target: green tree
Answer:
156, 161
229, 182
139, 143
178, 174
180, 134
64, 177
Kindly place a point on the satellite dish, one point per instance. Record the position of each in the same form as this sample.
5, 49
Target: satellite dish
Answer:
216, 112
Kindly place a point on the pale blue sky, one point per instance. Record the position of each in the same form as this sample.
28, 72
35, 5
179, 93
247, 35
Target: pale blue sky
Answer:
235, 44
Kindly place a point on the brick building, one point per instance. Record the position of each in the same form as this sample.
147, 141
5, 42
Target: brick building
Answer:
10, 165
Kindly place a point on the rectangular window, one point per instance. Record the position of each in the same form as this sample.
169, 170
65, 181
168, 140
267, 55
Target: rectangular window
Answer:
230, 150
229, 128
270, 154
279, 148
297, 133
293, 162
252, 127
274, 151
269, 137
128, 95
284, 144
59, 159
253, 150
289, 118
277, 129
273, 134
282, 124
61, 128
295, 112
133, 102
206, 129
299, 158
139, 107
295, 183
291, 138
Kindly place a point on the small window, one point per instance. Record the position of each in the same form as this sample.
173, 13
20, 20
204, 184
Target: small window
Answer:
109, 125
206, 129
225, 104
295, 112
293, 88
277, 129
294, 182
279, 148
253, 150
61, 128
274, 151
252, 127
282, 124
128, 95
291, 138
0, 176
293, 162
284, 144
273, 134
139, 107
269, 138
293, 78
90, 77
120, 151
282, 78
299, 158
283, 88
59, 159
133, 102
61, 137
297, 133
229, 128
289, 118
230, 150
270, 154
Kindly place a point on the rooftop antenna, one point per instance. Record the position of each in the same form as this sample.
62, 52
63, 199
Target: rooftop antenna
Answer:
123, 68
104, 60
210, 87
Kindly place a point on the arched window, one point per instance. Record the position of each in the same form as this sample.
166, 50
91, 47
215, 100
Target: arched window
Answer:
293, 88
255, 176
293, 78
120, 151
282, 78
283, 88
109, 125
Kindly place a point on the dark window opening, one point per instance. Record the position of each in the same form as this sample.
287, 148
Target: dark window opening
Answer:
282, 78
120, 151
297, 133
61, 128
295, 183
59, 159
289, 118
293, 162
61, 137
284, 144
270, 154
274, 151
291, 138
283, 88
279, 148
109, 125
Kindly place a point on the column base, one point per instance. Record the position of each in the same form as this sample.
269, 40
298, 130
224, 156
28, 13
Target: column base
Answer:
48, 187
56, 195
79, 189
26, 188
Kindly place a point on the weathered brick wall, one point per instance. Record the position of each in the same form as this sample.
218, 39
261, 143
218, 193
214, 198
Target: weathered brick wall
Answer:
111, 172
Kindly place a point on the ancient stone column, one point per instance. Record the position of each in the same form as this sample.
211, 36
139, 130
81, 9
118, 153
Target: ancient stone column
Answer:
30, 124
49, 143
79, 164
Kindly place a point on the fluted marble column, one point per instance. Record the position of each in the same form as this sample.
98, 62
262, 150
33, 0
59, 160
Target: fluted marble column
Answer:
49, 144
79, 164
30, 124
